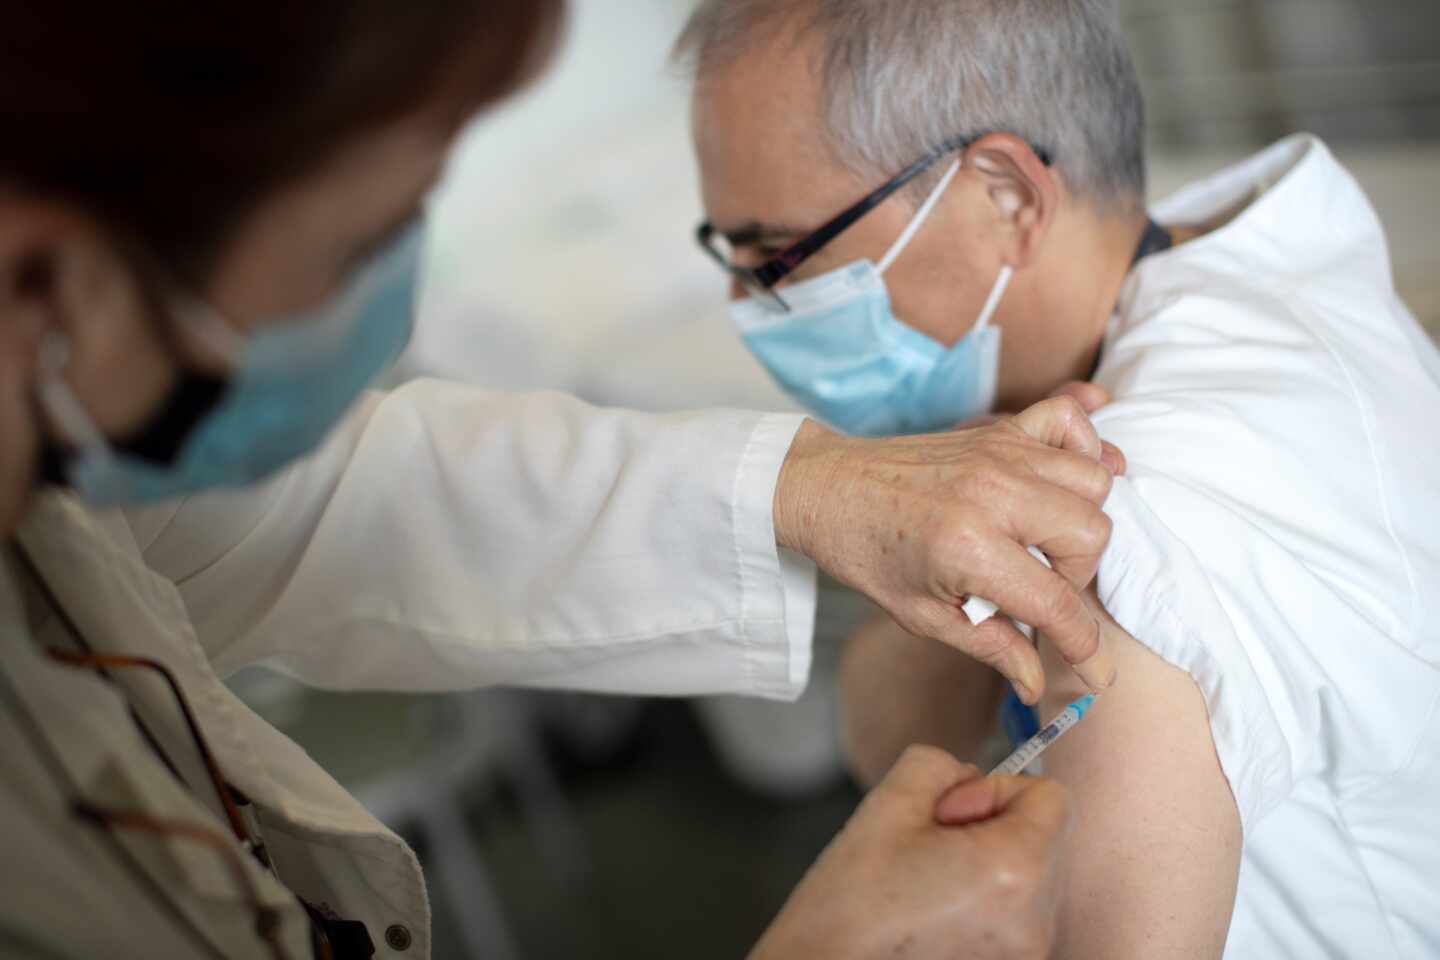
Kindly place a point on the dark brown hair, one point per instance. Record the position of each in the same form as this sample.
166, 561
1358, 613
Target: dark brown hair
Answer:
169, 120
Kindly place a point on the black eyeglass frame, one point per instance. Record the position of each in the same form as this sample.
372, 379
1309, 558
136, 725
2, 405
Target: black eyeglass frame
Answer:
761, 280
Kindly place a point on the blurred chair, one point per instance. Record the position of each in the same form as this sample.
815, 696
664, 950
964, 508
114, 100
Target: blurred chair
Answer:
475, 744
790, 751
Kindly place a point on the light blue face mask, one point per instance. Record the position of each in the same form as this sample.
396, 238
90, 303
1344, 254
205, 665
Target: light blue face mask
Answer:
843, 355
290, 383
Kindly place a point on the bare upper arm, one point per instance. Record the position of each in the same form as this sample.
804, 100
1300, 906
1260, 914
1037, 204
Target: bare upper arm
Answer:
1155, 852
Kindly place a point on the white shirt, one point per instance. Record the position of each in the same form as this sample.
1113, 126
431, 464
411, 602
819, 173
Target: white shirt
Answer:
1278, 537
443, 538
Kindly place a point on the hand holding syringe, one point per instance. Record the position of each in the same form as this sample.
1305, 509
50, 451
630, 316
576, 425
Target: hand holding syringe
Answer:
978, 609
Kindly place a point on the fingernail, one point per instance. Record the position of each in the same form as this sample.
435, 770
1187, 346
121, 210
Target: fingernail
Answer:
1112, 458
1099, 671
1028, 685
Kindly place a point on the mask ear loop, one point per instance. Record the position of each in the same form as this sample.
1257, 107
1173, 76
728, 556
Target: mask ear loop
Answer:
987, 313
60, 402
917, 221
210, 326
1007, 272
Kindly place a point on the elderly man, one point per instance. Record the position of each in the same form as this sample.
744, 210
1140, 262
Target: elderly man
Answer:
935, 208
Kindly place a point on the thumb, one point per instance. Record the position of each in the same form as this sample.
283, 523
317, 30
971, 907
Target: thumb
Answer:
1043, 803
1061, 422
1091, 397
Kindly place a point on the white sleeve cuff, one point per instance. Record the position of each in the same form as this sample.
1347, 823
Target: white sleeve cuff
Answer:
777, 587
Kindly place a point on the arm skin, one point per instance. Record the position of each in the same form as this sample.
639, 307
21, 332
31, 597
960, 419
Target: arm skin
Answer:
899, 689
1155, 853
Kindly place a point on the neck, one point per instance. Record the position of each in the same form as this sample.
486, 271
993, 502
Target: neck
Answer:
1056, 318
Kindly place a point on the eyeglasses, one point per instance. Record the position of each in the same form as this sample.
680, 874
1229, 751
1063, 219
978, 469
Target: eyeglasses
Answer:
761, 281
331, 936
267, 920
326, 932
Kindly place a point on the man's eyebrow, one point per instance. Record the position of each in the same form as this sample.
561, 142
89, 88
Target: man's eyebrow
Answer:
755, 232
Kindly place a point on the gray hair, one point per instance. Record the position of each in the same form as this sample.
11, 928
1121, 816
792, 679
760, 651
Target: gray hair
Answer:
902, 77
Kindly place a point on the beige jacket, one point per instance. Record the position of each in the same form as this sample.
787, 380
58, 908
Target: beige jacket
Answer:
330, 575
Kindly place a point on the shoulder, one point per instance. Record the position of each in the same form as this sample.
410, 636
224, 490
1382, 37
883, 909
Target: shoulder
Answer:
1253, 541
1221, 353
1253, 458
1226, 403
1246, 395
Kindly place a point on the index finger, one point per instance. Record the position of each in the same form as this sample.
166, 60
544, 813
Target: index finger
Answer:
1061, 422
1028, 590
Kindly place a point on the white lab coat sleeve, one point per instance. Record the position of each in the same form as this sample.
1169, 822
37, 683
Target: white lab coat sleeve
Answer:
447, 537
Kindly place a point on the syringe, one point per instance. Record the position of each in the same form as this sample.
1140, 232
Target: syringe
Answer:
1048, 734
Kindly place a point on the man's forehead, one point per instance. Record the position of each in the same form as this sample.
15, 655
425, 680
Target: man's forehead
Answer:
760, 137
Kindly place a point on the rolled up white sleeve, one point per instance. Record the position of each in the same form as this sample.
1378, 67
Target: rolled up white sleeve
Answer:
447, 537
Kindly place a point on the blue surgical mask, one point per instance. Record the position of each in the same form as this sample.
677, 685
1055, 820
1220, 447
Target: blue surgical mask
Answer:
842, 354
289, 384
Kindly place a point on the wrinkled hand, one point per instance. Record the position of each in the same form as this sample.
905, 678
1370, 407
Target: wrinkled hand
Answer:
1091, 397
937, 862
919, 524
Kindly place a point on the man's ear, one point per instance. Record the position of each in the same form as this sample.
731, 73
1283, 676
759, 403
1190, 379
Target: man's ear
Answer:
1023, 191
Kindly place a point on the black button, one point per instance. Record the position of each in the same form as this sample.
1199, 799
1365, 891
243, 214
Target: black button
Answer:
341, 939
397, 936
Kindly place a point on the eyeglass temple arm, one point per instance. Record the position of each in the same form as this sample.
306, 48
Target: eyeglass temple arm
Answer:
779, 268
267, 920
771, 273
232, 813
